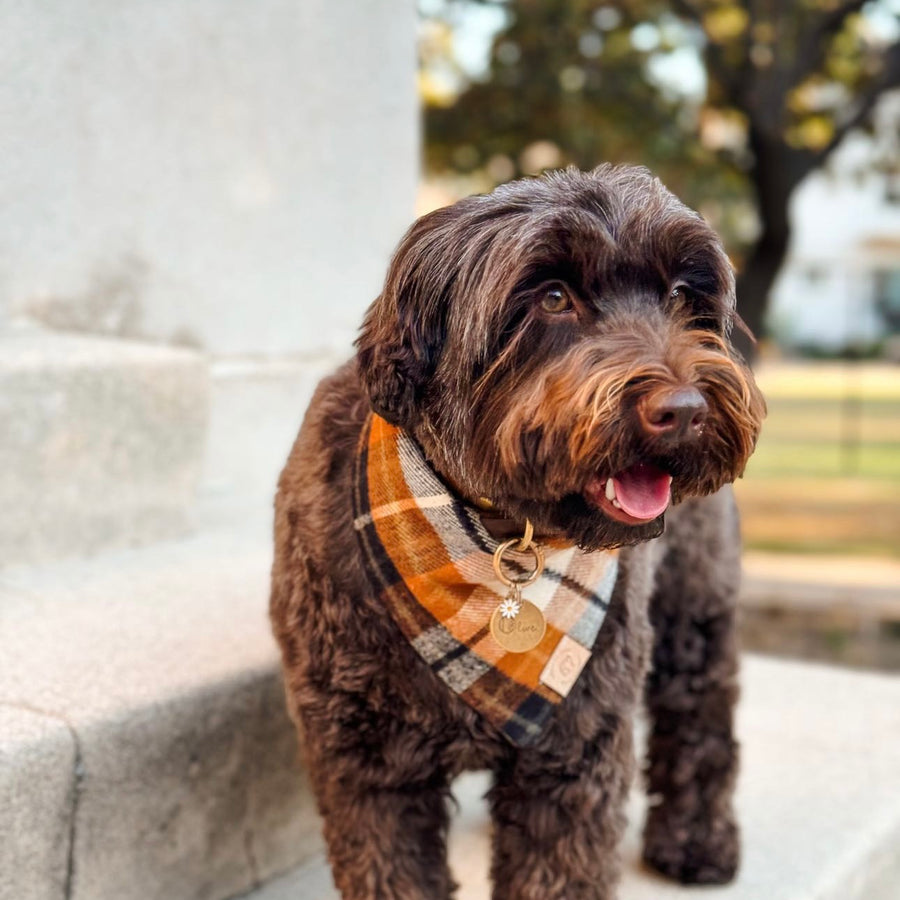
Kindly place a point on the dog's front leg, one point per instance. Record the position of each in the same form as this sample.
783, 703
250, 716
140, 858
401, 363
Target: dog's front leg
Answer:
691, 834
558, 824
387, 843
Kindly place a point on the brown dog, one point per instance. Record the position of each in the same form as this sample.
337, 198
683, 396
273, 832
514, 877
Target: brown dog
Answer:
559, 346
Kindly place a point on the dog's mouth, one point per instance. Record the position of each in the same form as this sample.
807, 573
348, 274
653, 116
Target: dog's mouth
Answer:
635, 496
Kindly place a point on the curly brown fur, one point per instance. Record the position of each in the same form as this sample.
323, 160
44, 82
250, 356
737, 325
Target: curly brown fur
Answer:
532, 406
691, 834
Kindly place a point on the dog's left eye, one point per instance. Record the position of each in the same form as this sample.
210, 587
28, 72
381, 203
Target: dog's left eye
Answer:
679, 292
556, 300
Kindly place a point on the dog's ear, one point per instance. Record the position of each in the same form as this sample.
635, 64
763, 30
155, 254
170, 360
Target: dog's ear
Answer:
403, 332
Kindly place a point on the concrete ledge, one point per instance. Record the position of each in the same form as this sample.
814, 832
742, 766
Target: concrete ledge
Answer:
38, 777
855, 588
102, 443
161, 663
255, 413
837, 610
819, 799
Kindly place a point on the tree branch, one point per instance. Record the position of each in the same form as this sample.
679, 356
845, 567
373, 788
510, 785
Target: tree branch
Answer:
730, 78
889, 78
688, 10
812, 48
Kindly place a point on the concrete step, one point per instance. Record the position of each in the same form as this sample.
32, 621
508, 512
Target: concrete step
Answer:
144, 748
103, 442
819, 799
145, 753
256, 406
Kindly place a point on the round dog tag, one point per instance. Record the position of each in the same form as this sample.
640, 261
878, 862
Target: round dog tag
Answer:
521, 632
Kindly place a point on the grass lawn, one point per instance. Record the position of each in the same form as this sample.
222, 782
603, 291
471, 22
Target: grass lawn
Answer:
826, 475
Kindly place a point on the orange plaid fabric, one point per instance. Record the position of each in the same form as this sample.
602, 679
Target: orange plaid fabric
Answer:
432, 558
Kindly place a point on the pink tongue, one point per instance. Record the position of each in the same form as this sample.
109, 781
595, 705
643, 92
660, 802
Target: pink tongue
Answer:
642, 491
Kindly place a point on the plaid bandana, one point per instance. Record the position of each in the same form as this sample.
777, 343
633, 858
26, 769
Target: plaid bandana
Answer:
432, 557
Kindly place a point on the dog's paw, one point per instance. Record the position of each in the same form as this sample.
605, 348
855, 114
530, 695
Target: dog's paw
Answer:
698, 852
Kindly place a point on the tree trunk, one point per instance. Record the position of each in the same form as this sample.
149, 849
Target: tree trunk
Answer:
754, 284
777, 169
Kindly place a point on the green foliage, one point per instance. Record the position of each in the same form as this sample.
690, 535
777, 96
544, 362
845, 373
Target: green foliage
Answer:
582, 81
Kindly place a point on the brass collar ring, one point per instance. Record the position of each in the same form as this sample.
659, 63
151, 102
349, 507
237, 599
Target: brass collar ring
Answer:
522, 545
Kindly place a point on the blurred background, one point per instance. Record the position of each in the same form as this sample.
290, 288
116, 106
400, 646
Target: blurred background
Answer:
198, 201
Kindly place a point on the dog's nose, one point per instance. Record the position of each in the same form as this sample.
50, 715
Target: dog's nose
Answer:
675, 414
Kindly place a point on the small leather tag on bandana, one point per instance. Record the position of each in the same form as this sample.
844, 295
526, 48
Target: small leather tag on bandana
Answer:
432, 559
565, 665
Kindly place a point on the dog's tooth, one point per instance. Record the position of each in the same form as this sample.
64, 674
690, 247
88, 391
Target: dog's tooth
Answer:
610, 490
616, 504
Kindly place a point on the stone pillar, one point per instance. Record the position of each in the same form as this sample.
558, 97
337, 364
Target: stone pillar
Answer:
221, 176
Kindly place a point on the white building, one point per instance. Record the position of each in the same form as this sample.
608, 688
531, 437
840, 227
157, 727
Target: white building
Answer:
841, 284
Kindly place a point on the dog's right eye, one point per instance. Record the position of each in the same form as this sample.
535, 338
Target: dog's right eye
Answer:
556, 300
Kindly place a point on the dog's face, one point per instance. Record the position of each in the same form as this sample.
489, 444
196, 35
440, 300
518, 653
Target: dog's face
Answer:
560, 346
